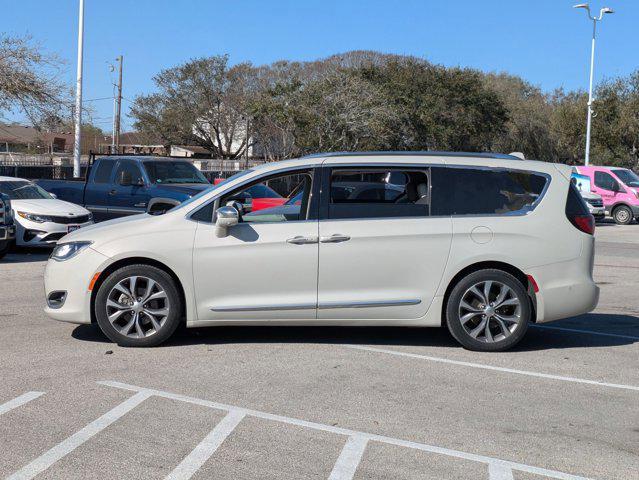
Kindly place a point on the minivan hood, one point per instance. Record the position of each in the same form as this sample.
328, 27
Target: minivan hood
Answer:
103, 231
49, 206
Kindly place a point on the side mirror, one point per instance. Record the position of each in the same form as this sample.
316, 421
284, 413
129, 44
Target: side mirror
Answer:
225, 217
616, 187
125, 179
236, 205
138, 183
53, 195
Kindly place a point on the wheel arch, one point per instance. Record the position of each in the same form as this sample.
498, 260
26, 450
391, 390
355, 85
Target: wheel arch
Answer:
123, 262
496, 265
154, 202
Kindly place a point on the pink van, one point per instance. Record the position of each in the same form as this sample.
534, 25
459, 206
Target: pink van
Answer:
619, 189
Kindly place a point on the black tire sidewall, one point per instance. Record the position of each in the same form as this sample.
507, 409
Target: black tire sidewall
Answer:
618, 209
452, 316
159, 276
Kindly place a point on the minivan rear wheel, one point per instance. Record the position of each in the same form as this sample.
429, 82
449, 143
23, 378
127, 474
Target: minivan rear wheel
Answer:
138, 306
488, 311
622, 215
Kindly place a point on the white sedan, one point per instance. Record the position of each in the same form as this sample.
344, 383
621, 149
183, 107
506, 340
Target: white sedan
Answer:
41, 219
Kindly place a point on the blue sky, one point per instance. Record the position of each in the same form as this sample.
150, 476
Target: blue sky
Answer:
544, 41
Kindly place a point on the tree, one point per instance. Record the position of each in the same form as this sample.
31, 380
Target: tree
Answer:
202, 102
568, 125
29, 80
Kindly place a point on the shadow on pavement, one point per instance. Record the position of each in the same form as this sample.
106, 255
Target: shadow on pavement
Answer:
27, 255
536, 338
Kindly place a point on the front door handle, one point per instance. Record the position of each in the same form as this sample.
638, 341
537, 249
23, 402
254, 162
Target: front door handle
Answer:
335, 238
300, 240
113, 192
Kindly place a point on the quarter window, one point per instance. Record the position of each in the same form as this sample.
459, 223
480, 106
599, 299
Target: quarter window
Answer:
606, 181
378, 193
470, 191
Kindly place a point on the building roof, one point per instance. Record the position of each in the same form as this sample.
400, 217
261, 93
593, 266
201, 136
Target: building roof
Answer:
26, 134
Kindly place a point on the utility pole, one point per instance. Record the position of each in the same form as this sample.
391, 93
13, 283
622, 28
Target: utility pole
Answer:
120, 59
78, 96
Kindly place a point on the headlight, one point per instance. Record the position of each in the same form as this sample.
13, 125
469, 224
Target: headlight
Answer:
65, 251
34, 217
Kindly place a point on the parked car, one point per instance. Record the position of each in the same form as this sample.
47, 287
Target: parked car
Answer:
41, 219
619, 189
7, 226
117, 186
467, 243
593, 200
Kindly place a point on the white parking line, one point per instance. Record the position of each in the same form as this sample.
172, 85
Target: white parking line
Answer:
349, 459
18, 401
207, 447
493, 368
504, 464
588, 332
497, 471
65, 447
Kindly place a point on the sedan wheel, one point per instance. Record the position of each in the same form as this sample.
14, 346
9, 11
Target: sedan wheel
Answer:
488, 310
138, 306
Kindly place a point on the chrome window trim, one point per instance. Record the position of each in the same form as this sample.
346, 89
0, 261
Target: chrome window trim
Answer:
320, 306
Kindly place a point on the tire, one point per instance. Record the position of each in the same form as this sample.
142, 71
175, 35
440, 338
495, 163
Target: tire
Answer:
622, 215
4, 248
157, 317
513, 315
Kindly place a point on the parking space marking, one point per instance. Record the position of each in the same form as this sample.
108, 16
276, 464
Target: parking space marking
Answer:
482, 366
349, 459
65, 447
19, 401
207, 447
499, 463
497, 471
588, 332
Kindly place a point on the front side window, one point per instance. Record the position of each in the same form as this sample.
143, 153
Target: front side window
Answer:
628, 177
378, 193
166, 171
129, 168
606, 181
21, 190
474, 191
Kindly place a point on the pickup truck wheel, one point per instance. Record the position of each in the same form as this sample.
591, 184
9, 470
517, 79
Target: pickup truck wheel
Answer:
4, 248
160, 209
622, 215
138, 306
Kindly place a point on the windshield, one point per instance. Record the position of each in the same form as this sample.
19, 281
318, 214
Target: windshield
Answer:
209, 190
21, 190
628, 177
173, 172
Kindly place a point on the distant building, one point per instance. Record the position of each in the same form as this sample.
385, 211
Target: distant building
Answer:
134, 143
23, 138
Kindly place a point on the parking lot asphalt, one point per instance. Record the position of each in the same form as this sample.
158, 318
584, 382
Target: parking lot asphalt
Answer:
293, 403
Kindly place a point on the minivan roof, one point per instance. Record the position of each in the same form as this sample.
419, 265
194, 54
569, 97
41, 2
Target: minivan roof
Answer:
427, 153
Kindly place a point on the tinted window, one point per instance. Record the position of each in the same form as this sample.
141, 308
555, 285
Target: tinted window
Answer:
131, 167
378, 193
103, 172
575, 204
469, 191
173, 172
605, 180
262, 191
628, 177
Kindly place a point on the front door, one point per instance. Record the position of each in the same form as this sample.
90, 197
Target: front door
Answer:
381, 255
266, 267
128, 199
608, 188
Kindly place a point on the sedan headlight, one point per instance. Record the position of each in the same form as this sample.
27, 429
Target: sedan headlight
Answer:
34, 217
65, 251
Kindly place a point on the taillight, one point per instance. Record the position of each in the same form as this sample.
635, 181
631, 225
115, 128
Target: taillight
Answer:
585, 223
577, 211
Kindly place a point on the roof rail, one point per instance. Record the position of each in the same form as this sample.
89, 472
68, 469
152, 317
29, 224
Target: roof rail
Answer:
427, 153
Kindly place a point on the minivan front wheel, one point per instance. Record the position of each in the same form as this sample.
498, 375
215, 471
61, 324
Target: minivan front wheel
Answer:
138, 306
488, 311
622, 215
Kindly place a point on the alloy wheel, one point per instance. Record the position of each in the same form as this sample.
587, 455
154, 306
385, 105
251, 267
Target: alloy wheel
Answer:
490, 311
137, 306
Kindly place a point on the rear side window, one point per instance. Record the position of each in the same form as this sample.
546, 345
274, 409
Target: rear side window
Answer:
575, 204
473, 191
103, 172
378, 193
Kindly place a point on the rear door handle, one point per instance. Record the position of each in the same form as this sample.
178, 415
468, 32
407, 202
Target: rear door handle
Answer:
300, 240
335, 238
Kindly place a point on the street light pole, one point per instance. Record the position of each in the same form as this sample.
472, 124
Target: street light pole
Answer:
602, 12
78, 97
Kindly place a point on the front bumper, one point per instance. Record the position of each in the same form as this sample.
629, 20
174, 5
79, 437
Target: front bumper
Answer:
47, 234
73, 277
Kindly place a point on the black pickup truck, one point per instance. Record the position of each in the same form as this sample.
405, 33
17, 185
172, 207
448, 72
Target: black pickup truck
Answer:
119, 185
